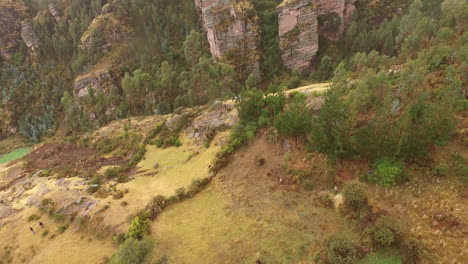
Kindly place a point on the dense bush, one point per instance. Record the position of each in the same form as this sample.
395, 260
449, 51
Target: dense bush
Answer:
354, 194
341, 251
386, 231
138, 227
132, 251
386, 173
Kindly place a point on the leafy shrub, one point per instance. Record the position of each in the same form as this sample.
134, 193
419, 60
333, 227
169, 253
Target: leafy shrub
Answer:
92, 188
154, 207
385, 232
33, 217
180, 192
118, 195
137, 156
355, 196
157, 128
112, 172
386, 173
441, 169
138, 227
132, 251
62, 228
412, 249
341, 251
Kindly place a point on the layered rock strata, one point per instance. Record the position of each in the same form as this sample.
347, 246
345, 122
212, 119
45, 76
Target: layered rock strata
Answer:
232, 30
98, 80
299, 28
29, 36
298, 32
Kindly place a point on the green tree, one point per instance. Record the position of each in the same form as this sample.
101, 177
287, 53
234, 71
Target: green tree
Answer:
136, 89
295, 121
194, 47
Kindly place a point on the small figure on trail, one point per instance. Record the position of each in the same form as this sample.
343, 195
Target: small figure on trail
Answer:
32, 230
41, 224
258, 262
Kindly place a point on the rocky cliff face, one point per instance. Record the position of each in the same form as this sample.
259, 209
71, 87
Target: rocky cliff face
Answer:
29, 36
11, 15
299, 27
340, 9
232, 30
298, 33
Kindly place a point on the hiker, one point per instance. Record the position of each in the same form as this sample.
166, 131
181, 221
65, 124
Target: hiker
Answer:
32, 230
41, 224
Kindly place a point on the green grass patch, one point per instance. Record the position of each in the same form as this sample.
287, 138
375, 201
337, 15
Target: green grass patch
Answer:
14, 155
388, 256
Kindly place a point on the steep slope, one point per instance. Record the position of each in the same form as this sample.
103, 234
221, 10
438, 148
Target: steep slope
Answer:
11, 15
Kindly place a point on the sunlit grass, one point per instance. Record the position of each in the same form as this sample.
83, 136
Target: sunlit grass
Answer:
14, 155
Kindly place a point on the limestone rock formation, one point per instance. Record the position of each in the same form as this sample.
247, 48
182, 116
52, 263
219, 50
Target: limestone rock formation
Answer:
302, 21
232, 30
29, 36
54, 12
98, 80
11, 14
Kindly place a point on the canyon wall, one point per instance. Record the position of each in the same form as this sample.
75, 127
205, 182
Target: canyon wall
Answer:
299, 28
232, 30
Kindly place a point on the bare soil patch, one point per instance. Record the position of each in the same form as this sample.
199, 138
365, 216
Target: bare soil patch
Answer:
68, 158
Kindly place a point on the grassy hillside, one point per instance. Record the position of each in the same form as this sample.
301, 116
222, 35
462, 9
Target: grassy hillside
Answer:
179, 158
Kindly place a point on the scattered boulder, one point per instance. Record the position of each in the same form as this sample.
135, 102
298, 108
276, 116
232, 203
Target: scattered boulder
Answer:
338, 201
30, 38
54, 12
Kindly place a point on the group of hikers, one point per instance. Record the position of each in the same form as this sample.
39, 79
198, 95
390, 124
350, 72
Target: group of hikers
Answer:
32, 229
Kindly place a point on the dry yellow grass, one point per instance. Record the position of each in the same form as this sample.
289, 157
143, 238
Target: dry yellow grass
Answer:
244, 215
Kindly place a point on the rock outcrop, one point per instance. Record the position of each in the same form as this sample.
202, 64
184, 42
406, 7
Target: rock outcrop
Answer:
105, 30
232, 30
302, 21
29, 36
341, 10
11, 15
98, 80
54, 12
